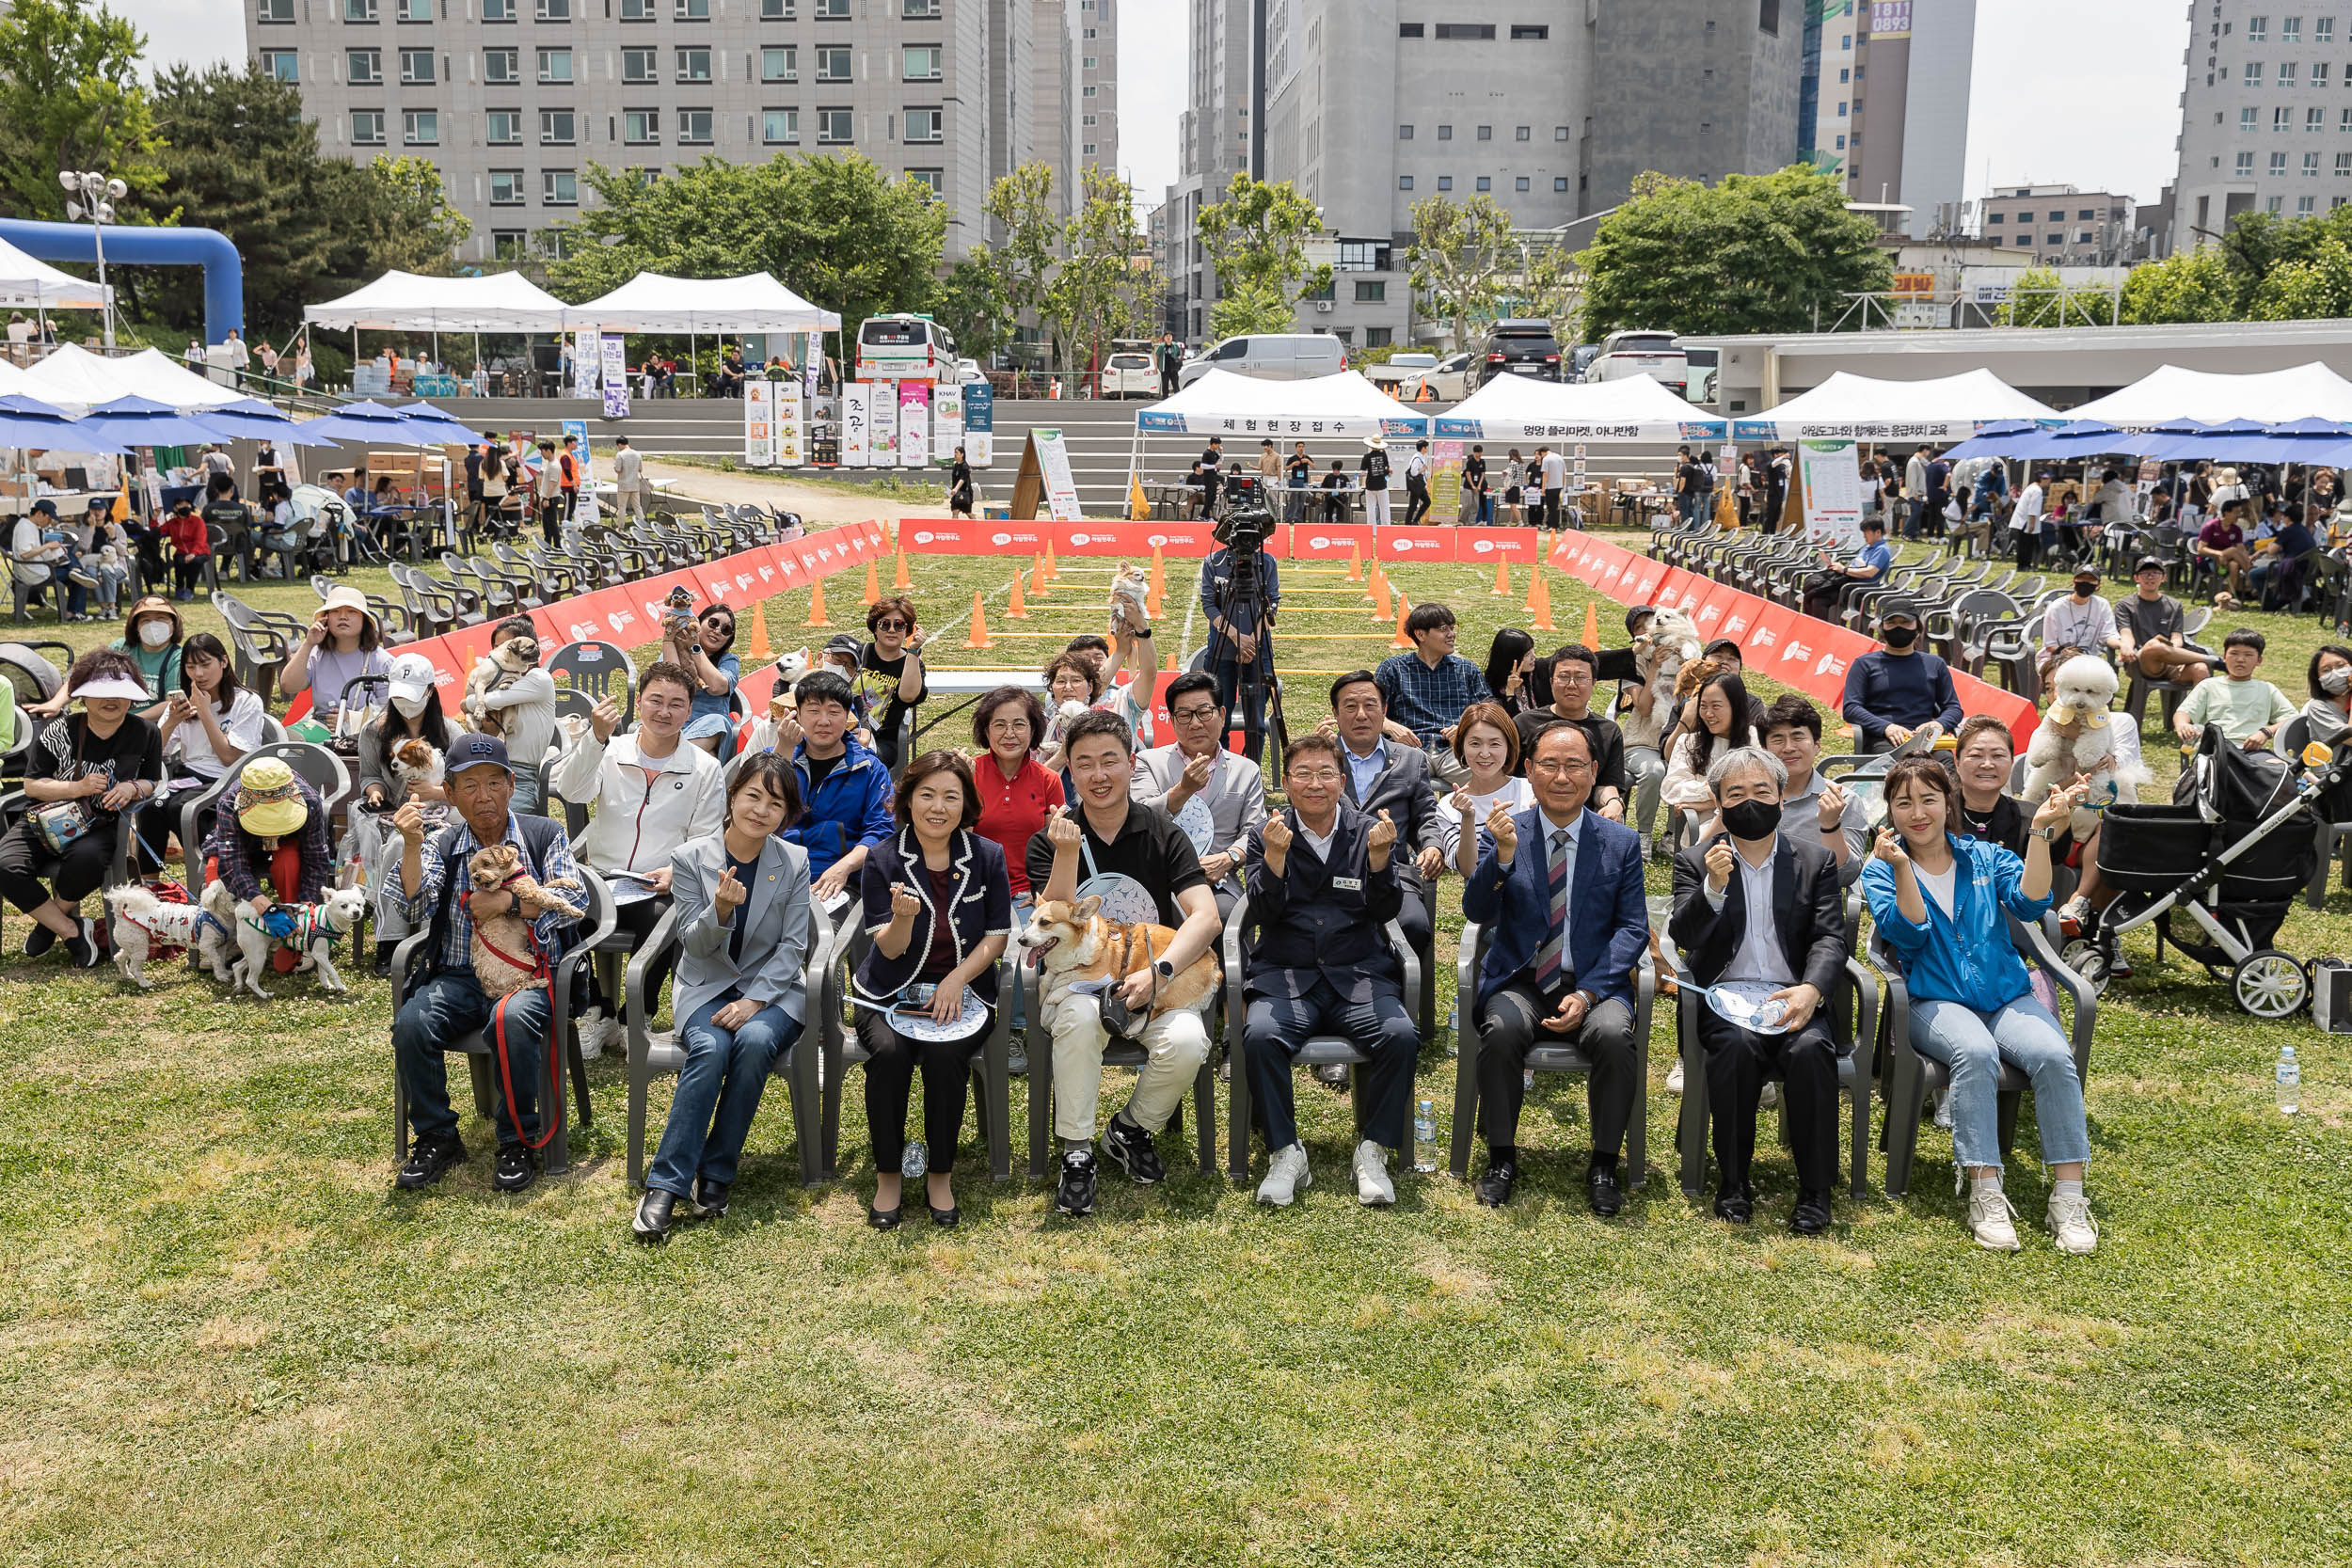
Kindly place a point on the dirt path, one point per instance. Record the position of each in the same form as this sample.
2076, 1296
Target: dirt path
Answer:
818, 503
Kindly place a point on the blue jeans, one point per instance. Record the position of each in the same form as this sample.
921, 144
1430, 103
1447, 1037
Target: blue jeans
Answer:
1974, 1045
446, 1008
718, 1095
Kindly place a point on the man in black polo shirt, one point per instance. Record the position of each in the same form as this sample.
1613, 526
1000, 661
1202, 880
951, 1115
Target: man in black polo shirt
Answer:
224, 510
1110, 840
1572, 672
1205, 473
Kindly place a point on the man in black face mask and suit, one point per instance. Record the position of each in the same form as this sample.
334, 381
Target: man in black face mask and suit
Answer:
1894, 692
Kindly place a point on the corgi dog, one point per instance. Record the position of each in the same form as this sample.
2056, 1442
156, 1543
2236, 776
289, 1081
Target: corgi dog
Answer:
1072, 945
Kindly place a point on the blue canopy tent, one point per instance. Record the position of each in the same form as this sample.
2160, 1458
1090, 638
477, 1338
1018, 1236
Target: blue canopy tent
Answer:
33, 425
426, 420
1998, 439
126, 423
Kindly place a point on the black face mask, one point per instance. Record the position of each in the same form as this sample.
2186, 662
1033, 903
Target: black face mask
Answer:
1752, 820
1899, 636
2084, 590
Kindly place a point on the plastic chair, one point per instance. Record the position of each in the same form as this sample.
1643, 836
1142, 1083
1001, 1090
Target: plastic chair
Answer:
14, 803
2168, 692
587, 672
314, 765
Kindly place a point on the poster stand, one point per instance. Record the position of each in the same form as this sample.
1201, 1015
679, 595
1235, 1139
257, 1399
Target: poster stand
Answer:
1028, 485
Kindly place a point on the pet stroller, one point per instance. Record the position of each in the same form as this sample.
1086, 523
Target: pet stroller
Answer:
2232, 855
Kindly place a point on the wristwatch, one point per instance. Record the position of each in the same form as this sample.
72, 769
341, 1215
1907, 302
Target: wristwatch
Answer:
2045, 834
1167, 970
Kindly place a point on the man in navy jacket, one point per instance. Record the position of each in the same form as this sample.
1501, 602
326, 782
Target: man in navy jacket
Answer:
1559, 888
1323, 888
846, 787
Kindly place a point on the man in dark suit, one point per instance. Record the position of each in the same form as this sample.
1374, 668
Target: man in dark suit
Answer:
1322, 890
1558, 889
1382, 773
1753, 905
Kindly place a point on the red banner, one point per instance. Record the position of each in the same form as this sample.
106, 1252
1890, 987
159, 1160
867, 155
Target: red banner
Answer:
1329, 540
1416, 543
1478, 547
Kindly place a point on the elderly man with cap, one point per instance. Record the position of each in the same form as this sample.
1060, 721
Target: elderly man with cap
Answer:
1894, 692
273, 847
444, 1001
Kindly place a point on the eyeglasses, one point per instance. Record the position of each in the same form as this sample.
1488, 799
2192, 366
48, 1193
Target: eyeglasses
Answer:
1321, 776
890, 626
1554, 765
1008, 726
1193, 715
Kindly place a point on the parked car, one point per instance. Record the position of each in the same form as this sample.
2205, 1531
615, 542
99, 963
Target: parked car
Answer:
1130, 376
1448, 380
1625, 354
1270, 357
1399, 368
968, 370
1519, 348
1581, 361
1705, 365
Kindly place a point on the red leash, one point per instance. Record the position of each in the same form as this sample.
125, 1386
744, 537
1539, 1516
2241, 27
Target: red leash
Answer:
551, 1116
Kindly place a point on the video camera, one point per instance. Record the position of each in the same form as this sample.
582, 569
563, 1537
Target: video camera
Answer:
1243, 530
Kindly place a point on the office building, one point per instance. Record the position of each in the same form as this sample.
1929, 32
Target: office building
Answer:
513, 99
1892, 107
2261, 127
1217, 139
2059, 225
1825, 82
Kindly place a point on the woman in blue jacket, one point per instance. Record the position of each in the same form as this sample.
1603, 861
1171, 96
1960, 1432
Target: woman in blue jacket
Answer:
1938, 898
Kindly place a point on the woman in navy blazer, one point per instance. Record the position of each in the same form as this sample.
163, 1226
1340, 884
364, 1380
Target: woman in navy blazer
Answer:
939, 906
742, 912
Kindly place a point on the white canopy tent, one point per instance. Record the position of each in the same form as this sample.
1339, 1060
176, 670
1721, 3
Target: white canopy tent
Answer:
650, 302
73, 375
1863, 408
1520, 408
408, 302
26, 283
2172, 395
1224, 404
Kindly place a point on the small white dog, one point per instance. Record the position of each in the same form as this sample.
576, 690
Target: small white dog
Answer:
316, 926
1660, 653
143, 923
2076, 736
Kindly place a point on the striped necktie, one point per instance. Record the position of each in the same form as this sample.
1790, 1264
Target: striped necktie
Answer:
1547, 956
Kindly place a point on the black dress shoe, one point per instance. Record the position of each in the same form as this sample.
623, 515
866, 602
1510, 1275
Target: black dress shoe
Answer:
428, 1163
881, 1219
1601, 1191
1811, 1216
1494, 1188
1736, 1203
513, 1170
711, 1197
653, 1215
947, 1218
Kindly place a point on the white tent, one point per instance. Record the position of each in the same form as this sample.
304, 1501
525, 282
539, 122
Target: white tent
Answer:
2171, 394
650, 302
1861, 408
1520, 408
72, 375
407, 302
34, 285
1224, 404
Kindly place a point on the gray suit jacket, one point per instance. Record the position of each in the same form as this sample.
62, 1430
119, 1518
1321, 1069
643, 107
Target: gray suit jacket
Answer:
1236, 793
775, 940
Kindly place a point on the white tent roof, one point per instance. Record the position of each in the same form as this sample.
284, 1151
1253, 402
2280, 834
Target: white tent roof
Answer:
2272, 397
406, 302
1224, 404
32, 284
72, 375
1520, 408
650, 302
1861, 408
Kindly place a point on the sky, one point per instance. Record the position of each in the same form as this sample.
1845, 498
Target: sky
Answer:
2083, 92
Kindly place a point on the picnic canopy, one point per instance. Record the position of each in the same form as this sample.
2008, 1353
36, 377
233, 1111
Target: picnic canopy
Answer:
73, 375
1863, 408
2269, 398
408, 302
1521, 409
651, 302
26, 283
1224, 404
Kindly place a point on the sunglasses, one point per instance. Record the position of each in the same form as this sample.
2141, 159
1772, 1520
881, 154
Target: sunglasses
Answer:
890, 626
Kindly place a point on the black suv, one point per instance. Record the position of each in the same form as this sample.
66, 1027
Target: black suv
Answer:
1519, 348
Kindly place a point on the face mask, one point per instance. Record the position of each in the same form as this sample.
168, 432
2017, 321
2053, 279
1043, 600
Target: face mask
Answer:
1752, 820
408, 707
2336, 682
1901, 637
154, 634
2084, 590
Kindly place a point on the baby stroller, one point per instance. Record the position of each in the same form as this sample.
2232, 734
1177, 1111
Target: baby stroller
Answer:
2232, 854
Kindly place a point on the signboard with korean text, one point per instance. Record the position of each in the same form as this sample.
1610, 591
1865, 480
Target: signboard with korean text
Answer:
616, 365
946, 421
1833, 493
791, 432
759, 424
1061, 490
914, 423
856, 425
979, 423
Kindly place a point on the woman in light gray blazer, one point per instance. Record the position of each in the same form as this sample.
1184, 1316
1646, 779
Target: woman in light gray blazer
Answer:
741, 897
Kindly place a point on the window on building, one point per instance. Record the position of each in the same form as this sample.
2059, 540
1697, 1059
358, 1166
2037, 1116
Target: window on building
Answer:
1560, 182
1088, 93
416, 67
508, 245
1403, 132
922, 63
2310, 166
2324, 31
359, 11
2244, 169
777, 10
2291, 30
2277, 162
1485, 133
1089, 149
837, 127
641, 65
780, 127
925, 126
2306, 205
503, 127
363, 67
1378, 336
2314, 120
1404, 182
2282, 120
833, 63
2249, 119
832, 10
1523, 132
639, 10
1485, 183
2319, 75
1468, 31
506, 187
558, 128
554, 11
1371, 292
282, 64
2257, 29
1445, 133
934, 178
2053, 240
692, 10
367, 127
1409, 29
2253, 73
1363, 256
1767, 18
916, 10
497, 11
555, 65
412, 11
2275, 204
2286, 75
421, 128
273, 12
641, 127
2343, 120
695, 127
1520, 184
1841, 141
780, 64
694, 65
1445, 181
1531, 30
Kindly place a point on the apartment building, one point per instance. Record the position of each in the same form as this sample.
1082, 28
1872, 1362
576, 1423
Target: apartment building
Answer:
2061, 226
2266, 115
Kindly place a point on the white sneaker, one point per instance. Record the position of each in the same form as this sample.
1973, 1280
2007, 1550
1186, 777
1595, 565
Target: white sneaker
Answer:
1992, 1217
2070, 1221
1674, 1077
597, 1029
1285, 1174
1772, 1098
1373, 1186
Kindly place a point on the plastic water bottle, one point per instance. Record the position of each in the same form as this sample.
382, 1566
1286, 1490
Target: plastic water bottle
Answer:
1424, 1138
2290, 1082
916, 1162
1454, 1029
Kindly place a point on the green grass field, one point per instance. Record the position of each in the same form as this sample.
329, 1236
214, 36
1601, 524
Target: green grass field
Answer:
225, 1338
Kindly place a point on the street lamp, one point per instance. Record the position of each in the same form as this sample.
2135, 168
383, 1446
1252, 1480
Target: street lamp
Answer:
98, 196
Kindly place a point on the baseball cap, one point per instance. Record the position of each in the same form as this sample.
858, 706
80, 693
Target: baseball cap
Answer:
2148, 564
2087, 574
412, 677
477, 750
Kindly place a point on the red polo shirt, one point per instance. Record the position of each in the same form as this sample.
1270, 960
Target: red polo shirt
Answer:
1012, 811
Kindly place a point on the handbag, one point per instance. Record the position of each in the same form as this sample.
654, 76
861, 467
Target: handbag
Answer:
60, 823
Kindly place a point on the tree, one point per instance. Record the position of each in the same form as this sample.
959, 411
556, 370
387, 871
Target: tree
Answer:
1256, 239
1098, 291
2040, 298
1756, 253
1549, 283
1020, 207
2312, 286
1458, 258
70, 98
835, 229
411, 225
2187, 286
970, 304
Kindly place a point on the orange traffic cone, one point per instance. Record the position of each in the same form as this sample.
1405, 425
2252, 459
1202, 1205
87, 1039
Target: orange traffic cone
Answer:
978, 638
1037, 574
817, 606
759, 648
1159, 584
898, 583
1051, 571
1018, 609
873, 586
1539, 603
1404, 607
1381, 608
1592, 626
1355, 563
1501, 589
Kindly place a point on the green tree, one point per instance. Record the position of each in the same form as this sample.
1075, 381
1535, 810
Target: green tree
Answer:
410, 224
1756, 253
837, 231
1098, 291
70, 98
1256, 239
1458, 259
2313, 285
1020, 208
970, 304
2187, 286
2040, 298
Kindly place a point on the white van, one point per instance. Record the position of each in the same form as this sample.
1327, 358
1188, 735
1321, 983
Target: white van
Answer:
905, 348
1270, 357
1626, 355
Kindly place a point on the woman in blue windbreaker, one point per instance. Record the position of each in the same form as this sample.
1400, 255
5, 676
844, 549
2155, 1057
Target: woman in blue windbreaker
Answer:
1938, 898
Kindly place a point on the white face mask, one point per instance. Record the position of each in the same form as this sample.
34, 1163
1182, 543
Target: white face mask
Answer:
2336, 682
154, 634
409, 706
